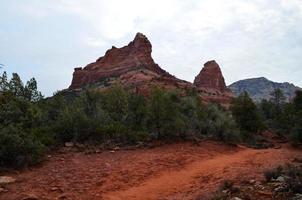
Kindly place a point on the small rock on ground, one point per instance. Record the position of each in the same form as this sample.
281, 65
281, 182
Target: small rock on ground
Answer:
236, 198
7, 180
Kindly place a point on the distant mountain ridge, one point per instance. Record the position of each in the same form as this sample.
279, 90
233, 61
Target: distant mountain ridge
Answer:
261, 88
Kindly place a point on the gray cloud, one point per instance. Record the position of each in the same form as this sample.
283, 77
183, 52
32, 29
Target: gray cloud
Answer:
248, 38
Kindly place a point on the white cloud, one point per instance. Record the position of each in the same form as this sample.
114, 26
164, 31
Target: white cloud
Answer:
247, 37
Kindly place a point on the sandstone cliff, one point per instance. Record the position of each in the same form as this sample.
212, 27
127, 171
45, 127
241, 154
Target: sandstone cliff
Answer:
133, 67
211, 85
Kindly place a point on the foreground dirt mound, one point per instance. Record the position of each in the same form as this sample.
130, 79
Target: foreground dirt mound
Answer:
177, 171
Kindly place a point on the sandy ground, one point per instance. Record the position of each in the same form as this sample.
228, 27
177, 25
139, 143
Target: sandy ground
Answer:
174, 171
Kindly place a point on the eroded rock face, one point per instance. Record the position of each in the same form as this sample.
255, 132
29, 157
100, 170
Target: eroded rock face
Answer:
135, 56
133, 67
210, 77
211, 84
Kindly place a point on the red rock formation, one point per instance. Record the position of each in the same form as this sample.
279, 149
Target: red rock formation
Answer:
211, 84
133, 67
119, 61
210, 77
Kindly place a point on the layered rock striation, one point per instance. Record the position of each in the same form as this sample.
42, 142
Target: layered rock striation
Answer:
134, 68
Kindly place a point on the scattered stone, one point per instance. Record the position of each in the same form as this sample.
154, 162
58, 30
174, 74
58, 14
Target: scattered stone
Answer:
63, 196
265, 193
280, 189
31, 197
7, 180
252, 181
108, 166
112, 151
259, 186
225, 191
116, 148
280, 179
2, 189
236, 198
297, 197
78, 145
56, 189
69, 144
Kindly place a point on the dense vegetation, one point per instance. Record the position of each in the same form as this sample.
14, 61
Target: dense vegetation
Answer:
282, 117
31, 125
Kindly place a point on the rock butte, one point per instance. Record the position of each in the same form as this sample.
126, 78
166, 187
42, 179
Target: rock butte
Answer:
133, 67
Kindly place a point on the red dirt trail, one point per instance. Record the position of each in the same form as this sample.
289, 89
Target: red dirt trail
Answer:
175, 171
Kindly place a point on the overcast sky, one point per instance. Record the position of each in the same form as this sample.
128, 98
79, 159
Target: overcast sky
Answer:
46, 39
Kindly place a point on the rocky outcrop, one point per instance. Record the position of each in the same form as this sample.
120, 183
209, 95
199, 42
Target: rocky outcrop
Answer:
262, 88
210, 83
133, 67
136, 56
210, 77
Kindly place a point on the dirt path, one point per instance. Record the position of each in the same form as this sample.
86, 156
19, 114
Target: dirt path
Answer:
178, 171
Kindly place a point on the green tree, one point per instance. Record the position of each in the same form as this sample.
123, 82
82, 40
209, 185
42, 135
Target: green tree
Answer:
4, 85
31, 92
17, 111
278, 99
164, 115
16, 85
116, 103
246, 114
137, 111
194, 113
298, 100
267, 109
296, 131
19, 148
220, 125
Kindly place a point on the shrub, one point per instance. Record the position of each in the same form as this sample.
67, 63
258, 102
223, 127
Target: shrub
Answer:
294, 180
227, 185
164, 114
273, 173
136, 136
219, 124
137, 112
296, 136
18, 149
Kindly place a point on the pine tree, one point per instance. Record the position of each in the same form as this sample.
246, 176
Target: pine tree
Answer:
4, 85
278, 100
31, 92
16, 85
246, 114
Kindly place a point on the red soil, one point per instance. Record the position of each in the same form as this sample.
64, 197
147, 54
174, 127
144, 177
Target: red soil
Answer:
176, 171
